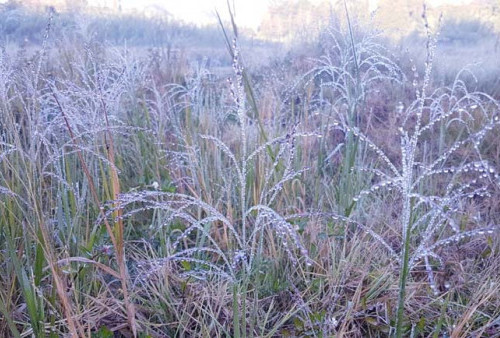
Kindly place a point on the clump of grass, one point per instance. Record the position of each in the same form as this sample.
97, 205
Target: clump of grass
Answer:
136, 196
349, 70
224, 238
243, 223
433, 183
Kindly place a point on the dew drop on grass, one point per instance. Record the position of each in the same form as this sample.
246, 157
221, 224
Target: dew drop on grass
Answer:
399, 108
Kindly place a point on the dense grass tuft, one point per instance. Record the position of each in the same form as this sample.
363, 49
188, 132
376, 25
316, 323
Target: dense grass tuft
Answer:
349, 192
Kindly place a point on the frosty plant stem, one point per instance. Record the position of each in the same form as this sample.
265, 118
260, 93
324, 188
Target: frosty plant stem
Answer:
240, 100
408, 152
119, 228
116, 241
405, 255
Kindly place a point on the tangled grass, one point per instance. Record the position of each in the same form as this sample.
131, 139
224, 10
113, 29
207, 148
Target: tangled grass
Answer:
353, 198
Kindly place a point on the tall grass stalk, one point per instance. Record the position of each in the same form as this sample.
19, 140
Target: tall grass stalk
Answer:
116, 235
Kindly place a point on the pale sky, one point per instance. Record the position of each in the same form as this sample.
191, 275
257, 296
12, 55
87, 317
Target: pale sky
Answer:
249, 13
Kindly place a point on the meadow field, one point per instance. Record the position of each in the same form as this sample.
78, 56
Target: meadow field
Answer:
164, 180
